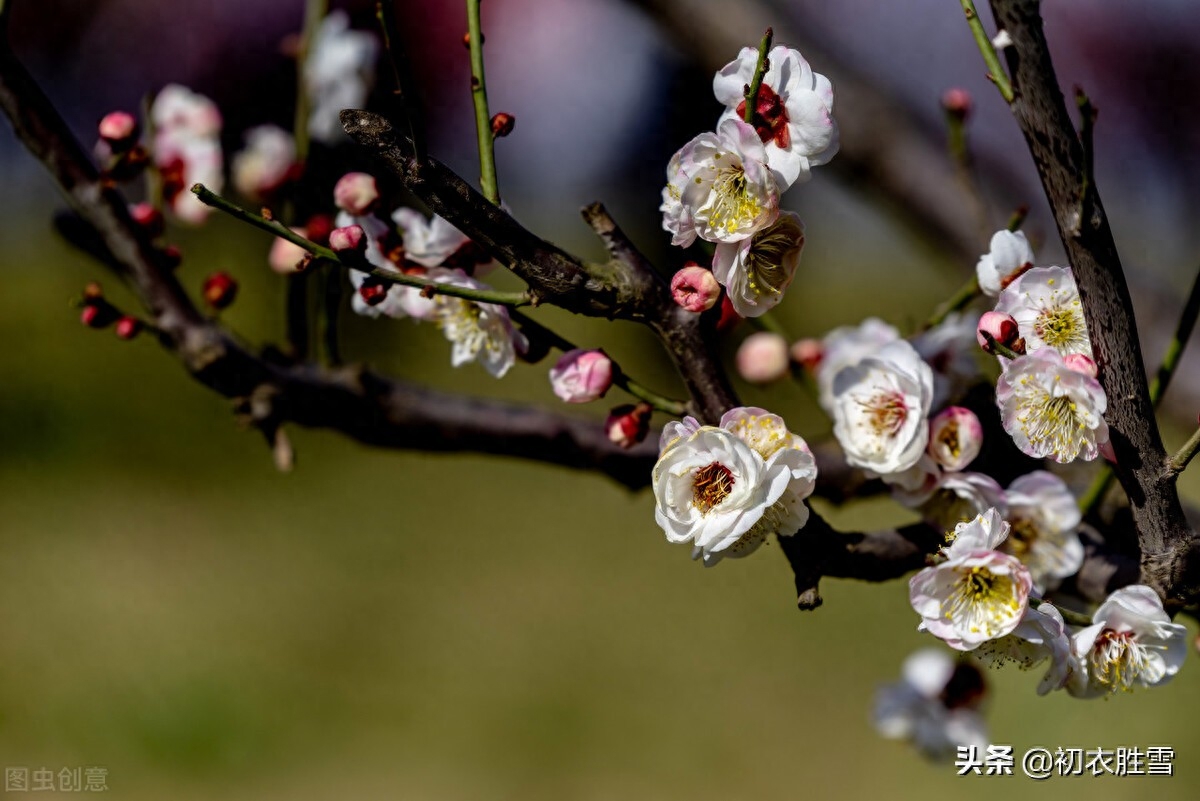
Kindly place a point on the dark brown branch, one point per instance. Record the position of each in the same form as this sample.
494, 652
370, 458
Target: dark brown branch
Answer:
1169, 548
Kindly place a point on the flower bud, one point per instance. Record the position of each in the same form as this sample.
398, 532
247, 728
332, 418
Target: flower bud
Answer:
502, 124
581, 376
287, 258
807, 353
628, 425
220, 289
695, 288
98, 314
350, 239
120, 130
172, 256
955, 437
372, 292
957, 102
1081, 364
128, 327
1002, 328
318, 228
148, 218
92, 291
356, 193
763, 357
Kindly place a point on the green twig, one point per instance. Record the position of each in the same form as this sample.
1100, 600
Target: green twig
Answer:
957, 302
1180, 460
998, 348
1017, 219
314, 13
483, 118
406, 90
996, 72
662, 403
510, 299
760, 69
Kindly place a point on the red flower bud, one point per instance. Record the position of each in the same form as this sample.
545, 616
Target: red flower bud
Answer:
128, 327
1002, 328
350, 239
318, 228
220, 289
503, 124
729, 318
148, 217
957, 102
628, 425
372, 292
120, 130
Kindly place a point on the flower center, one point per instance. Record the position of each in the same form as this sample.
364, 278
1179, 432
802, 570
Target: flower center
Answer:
710, 485
733, 206
770, 118
1062, 328
982, 600
885, 413
1051, 423
1116, 659
949, 440
766, 268
1022, 534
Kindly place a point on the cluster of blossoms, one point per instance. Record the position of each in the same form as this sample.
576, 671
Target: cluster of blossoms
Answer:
724, 186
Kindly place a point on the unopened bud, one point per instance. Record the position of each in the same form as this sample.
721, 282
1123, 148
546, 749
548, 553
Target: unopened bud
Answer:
1081, 364
220, 289
502, 124
120, 130
955, 437
1002, 328
372, 292
92, 291
957, 102
695, 288
763, 357
629, 424
128, 327
356, 193
172, 256
148, 218
97, 315
467, 39
807, 353
351, 239
581, 376
318, 228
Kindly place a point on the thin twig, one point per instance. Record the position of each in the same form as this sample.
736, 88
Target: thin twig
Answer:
483, 118
511, 299
1185, 454
996, 72
760, 69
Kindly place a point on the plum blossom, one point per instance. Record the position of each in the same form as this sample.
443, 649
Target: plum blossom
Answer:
978, 593
794, 110
1045, 518
1009, 256
958, 497
581, 376
1045, 303
935, 704
880, 405
267, 162
1131, 643
695, 288
763, 357
719, 187
187, 148
428, 243
479, 332
1050, 410
845, 346
397, 300
337, 74
955, 437
757, 270
1040, 635
726, 488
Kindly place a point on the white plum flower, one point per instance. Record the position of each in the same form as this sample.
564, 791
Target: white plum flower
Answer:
1051, 411
1045, 303
395, 300
1009, 256
479, 332
847, 345
757, 270
935, 704
793, 113
719, 187
338, 74
187, 149
1131, 643
726, 488
1045, 518
958, 497
978, 593
880, 406
267, 162
1041, 635
431, 242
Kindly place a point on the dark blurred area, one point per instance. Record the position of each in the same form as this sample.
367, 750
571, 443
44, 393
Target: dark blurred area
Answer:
455, 627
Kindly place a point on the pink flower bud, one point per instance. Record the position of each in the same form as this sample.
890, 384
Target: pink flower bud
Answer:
1081, 364
355, 193
350, 239
119, 129
148, 217
220, 289
955, 437
957, 101
98, 315
1001, 326
372, 292
695, 288
503, 124
581, 376
808, 353
287, 258
763, 357
128, 327
628, 425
